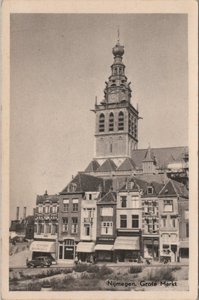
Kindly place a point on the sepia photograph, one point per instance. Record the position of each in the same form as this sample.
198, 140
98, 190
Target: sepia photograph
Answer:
97, 189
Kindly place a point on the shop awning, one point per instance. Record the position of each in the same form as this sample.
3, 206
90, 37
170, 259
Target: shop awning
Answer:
85, 247
184, 244
127, 243
104, 247
42, 246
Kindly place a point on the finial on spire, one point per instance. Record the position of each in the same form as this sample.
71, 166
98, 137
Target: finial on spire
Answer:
118, 34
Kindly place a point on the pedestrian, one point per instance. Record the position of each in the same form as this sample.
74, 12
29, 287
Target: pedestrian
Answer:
76, 260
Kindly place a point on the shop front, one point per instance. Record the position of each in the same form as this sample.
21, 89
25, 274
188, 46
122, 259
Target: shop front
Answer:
184, 250
67, 249
127, 248
104, 249
151, 247
85, 251
43, 248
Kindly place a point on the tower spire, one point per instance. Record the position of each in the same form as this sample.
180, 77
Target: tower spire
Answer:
118, 34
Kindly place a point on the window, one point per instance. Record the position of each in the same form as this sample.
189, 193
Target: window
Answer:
66, 205
149, 190
54, 229
101, 122
65, 224
186, 214
75, 204
121, 121
164, 221
40, 228
111, 122
54, 209
90, 196
135, 221
47, 228
135, 202
187, 230
168, 205
74, 225
40, 209
47, 209
123, 201
87, 229
107, 211
107, 228
173, 221
111, 147
123, 221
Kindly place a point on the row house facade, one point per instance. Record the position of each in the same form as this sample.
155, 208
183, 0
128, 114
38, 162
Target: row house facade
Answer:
45, 226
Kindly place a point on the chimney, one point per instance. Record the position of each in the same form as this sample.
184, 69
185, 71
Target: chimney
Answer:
24, 212
17, 214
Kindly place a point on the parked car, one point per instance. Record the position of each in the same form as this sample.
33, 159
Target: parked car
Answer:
18, 239
40, 261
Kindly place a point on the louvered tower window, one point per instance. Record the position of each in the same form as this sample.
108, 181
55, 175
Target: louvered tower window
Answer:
121, 121
101, 123
111, 122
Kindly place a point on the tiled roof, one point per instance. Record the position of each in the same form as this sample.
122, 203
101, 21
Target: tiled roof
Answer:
127, 165
134, 184
109, 198
92, 167
159, 178
46, 197
107, 166
174, 188
163, 156
156, 189
87, 183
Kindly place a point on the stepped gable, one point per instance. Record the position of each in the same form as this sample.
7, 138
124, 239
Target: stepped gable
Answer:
163, 156
174, 188
92, 167
109, 198
83, 183
107, 166
127, 165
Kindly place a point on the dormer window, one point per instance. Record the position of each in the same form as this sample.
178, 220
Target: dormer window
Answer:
149, 190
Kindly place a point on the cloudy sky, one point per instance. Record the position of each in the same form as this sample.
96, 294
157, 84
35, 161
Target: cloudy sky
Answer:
59, 63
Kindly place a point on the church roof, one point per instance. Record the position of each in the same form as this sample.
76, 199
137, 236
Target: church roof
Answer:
87, 183
109, 198
92, 167
127, 165
163, 156
107, 166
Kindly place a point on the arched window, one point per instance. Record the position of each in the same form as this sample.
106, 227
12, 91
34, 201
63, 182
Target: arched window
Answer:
101, 122
121, 121
111, 122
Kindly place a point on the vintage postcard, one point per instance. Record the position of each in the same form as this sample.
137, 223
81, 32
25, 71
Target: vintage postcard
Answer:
99, 110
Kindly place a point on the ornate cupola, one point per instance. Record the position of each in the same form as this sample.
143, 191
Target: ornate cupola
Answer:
116, 132
117, 88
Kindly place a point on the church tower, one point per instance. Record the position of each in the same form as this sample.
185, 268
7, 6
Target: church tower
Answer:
116, 132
